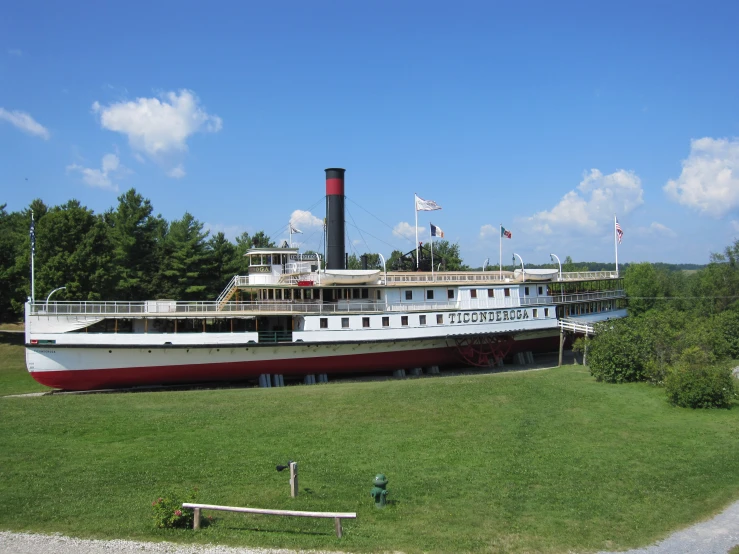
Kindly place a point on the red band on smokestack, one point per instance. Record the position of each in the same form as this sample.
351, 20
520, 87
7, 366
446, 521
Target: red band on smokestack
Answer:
335, 186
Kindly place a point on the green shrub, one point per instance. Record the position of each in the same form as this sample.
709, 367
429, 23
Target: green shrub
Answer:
655, 371
617, 353
694, 382
169, 513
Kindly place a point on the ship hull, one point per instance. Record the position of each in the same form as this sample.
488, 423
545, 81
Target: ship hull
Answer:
102, 367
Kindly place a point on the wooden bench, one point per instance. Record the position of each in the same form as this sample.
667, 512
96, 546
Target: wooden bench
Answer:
337, 516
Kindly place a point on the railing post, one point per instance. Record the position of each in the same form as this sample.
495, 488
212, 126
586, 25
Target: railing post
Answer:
561, 344
196, 518
337, 524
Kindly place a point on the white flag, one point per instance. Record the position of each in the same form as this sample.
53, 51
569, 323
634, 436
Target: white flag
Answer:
426, 205
294, 231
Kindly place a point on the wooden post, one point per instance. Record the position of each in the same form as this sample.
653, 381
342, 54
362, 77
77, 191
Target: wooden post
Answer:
337, 524
561, 345
585, 351
293, 479
196, 518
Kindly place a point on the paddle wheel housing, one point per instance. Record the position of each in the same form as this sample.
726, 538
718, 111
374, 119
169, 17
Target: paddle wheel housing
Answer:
483, 350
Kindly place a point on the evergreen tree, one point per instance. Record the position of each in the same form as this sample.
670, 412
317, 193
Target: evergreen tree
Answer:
133, 232
73, 250
224, 263
184, 261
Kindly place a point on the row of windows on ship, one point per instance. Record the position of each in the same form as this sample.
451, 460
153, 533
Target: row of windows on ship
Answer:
333, 295
404, 319
239, 325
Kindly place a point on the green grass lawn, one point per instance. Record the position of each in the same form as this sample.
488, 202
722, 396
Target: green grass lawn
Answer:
14, 378
545, 461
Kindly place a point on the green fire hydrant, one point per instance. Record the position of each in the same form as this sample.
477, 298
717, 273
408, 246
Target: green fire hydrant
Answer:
379, 492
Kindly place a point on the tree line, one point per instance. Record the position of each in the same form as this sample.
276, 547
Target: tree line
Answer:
682, 332
129, 253
126, 253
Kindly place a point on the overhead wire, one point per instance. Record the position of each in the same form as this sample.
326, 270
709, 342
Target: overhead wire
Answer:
281, 229
359, 230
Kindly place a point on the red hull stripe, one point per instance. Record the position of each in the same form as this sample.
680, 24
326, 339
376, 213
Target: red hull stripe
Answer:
89, 379
334, 186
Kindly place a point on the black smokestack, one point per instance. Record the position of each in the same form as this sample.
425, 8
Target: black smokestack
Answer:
335, 218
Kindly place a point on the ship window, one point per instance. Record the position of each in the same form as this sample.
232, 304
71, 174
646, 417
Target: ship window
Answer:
536, 312
473, 293
365, 322
507, 292
344, 322
422, 319
379, 295
491, 293
324, 323
546, 312
450, 293
409, 295
541, 291
355, 293
404, 320
386, 321
429, 295
439, 319
526, 291
365, 293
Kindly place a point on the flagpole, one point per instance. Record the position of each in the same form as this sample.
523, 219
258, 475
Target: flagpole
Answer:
33, 252
615, 241
431, 239
500, 251
290, 230
415, 209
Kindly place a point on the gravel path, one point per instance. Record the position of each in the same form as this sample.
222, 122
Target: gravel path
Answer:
714, 536
29, 543
717, 535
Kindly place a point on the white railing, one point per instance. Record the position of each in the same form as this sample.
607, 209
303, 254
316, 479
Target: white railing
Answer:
448, 277
587, 275
175, 309
228, 289
576, 326
444, 277
587, 296
493, 277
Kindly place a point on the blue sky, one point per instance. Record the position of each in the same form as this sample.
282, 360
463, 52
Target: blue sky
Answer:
546, 117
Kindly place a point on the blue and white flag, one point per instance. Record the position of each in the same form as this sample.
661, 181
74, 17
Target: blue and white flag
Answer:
436, 231
33, 235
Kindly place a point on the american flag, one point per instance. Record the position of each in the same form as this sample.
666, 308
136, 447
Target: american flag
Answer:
619, 232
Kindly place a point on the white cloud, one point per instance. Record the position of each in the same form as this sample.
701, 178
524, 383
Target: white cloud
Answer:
487, 231
159, 127
591, 206
406, 231
110, 166
17, 52
302, 220
656, 229
177, 172
659, 229
231, 231
25, 123
709, 182
735, 225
